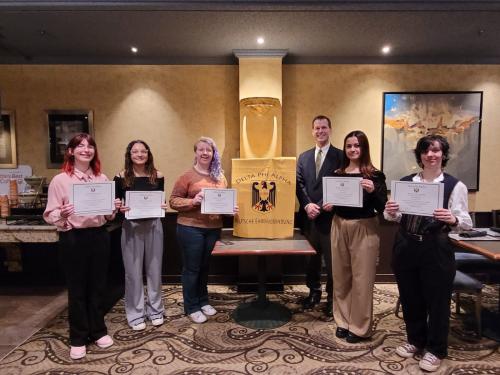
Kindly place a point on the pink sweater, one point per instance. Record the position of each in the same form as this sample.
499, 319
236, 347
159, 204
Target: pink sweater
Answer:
181, 199
59, 190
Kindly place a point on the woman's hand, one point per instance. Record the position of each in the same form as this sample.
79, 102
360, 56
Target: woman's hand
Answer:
164, 206
367, 185
392, 208
67, 210
328, 207
236, 210
197, 199
445, 215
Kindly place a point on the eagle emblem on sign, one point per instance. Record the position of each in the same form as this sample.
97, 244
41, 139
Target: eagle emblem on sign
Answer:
263, 196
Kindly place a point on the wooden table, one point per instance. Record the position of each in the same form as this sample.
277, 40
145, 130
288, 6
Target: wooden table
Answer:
261, 313
488, 246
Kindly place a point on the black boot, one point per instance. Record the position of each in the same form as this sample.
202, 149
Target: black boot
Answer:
312, 299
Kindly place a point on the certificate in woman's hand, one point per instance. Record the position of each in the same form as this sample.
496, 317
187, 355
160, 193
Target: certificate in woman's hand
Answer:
417, 198
144, 204
93, 198
218, 201
343, 191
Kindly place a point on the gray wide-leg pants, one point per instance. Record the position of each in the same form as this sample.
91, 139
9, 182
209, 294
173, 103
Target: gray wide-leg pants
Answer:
142, 244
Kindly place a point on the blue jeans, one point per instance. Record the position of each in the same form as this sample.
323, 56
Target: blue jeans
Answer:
196, 245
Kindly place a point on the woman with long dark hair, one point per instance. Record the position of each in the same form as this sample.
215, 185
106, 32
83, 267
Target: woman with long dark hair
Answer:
423, 260
356, 243
197, 232
84, 245
142, 239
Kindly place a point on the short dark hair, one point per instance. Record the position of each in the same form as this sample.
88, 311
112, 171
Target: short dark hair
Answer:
322, 117
424, 143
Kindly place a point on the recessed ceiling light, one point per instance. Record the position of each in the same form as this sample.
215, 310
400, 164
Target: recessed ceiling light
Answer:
260, 40
134, 49
386, 49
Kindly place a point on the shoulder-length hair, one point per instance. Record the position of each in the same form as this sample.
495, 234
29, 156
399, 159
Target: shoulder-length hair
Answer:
69, 159
128, 173
215, 168
425, 142
365, 162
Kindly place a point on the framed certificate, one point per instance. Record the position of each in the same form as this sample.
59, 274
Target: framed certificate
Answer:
93, 198
218, 201
144, 204
417, 198
343, 191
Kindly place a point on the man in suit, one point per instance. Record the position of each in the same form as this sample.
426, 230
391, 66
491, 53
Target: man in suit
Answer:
312, 166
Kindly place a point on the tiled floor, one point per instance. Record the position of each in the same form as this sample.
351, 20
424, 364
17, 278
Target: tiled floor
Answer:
24, 310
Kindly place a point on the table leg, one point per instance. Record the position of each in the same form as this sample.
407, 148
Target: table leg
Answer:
262, 313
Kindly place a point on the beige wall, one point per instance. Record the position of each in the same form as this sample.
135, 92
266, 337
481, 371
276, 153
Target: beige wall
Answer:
170, 106
167, 106
352, 96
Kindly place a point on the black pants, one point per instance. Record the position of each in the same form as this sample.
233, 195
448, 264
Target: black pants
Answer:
424, 272
85, 258
320, 241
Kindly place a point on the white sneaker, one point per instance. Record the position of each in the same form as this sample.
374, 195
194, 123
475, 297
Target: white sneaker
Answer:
198, 317
139, 326
208, 310
407, 350
429, 362
157, 321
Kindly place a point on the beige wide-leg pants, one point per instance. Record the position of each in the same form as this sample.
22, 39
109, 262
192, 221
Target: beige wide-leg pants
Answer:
355, 250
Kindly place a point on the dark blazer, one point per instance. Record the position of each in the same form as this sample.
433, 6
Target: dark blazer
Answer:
310, 188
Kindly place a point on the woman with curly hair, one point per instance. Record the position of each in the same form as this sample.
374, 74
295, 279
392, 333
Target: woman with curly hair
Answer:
197, 232
142, 239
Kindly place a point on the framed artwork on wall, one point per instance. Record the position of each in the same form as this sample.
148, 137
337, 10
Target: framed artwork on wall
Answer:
408, 116
62, 126
8, 155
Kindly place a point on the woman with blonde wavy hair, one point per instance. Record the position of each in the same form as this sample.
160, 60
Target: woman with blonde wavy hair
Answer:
197, 232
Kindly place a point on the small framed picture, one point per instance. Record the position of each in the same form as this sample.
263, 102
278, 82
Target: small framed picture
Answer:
8, 156
62, 126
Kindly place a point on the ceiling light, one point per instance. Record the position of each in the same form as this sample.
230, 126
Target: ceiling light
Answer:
260, 40
134, 49
386, 50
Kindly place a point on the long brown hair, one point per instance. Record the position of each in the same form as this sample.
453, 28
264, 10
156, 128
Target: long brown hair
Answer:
128, 173
69, 159
365, 162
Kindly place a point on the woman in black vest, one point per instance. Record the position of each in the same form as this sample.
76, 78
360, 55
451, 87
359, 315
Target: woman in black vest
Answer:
423, 260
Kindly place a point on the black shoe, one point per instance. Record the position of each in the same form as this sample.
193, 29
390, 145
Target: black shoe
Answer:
341, 333
329, 309
311, 300
351, 338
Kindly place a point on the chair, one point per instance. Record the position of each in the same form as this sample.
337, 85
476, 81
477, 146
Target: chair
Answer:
495, 218
462, 283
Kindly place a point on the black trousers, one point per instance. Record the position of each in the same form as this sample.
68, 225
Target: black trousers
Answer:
320, 241
85, 258
424, 272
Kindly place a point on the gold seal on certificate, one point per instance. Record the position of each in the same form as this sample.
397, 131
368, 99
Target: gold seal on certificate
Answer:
144, 204
218, 201
343, 191
417, 198
93, 198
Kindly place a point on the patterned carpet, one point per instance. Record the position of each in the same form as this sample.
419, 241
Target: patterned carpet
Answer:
306, 345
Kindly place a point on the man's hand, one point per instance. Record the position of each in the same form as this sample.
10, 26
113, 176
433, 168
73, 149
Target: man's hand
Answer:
312, 210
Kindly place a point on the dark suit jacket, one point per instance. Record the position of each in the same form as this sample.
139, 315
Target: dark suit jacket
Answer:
310, 188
